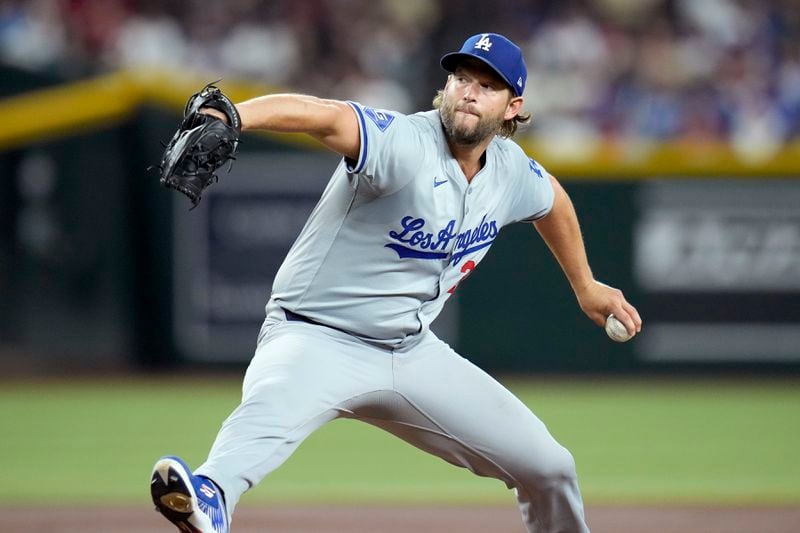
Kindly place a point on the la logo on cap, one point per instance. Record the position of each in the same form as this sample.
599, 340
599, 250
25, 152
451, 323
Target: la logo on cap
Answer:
496, 51
484, 43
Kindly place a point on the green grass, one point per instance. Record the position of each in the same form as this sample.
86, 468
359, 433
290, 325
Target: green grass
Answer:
705, 441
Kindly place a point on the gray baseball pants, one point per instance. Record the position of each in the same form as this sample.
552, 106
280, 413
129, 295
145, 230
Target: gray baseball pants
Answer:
304, 375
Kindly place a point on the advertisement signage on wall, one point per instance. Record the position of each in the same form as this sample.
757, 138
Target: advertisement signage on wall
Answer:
721, 262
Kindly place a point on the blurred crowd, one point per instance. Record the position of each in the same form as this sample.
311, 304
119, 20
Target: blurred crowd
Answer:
688, 70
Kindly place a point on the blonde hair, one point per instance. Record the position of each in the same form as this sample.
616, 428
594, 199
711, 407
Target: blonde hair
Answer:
509, 127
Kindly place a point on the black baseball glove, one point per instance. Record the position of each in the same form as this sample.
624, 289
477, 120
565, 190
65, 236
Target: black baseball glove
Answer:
202, 144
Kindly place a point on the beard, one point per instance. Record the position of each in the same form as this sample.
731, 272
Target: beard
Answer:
466, 135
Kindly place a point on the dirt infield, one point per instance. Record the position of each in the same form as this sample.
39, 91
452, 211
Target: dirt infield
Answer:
408, 519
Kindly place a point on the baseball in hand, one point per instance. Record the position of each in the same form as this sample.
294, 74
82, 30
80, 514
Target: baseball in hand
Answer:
616, 329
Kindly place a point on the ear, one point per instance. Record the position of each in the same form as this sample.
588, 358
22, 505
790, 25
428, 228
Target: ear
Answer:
513, 108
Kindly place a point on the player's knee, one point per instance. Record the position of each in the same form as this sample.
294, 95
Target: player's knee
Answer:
555, 467
562, 466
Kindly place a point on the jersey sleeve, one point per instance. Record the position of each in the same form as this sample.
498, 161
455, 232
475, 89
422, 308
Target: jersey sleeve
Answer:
391, 149
534, 192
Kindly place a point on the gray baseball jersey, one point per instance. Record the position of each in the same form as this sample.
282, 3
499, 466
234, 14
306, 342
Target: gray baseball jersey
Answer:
396, 230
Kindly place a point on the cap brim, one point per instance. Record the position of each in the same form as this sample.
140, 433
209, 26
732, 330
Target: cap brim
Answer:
450, 62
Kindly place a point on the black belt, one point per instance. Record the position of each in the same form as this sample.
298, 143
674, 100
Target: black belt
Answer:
291, 316
294, 317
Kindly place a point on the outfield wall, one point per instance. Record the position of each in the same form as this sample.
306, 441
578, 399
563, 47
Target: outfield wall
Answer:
99, 264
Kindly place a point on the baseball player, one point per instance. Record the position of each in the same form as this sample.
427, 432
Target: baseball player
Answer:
412, 208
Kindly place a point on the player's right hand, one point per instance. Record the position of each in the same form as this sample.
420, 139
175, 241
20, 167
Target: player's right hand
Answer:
599, 300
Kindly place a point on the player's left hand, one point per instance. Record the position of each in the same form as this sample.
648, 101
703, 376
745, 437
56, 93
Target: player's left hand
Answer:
599, 300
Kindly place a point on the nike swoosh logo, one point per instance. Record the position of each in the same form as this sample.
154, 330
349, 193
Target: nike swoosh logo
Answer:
437, 183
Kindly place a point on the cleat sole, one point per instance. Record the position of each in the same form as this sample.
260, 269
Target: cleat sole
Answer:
178, 502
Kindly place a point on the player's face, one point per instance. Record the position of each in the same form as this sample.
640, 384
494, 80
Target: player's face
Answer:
475, 103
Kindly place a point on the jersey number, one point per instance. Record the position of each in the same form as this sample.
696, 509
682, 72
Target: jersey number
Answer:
467, 269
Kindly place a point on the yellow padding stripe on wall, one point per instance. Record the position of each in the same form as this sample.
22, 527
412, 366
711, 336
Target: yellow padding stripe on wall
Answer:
629, 161
56, 111
50, 113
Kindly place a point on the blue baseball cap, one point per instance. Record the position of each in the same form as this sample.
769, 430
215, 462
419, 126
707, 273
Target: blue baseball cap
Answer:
503, 56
